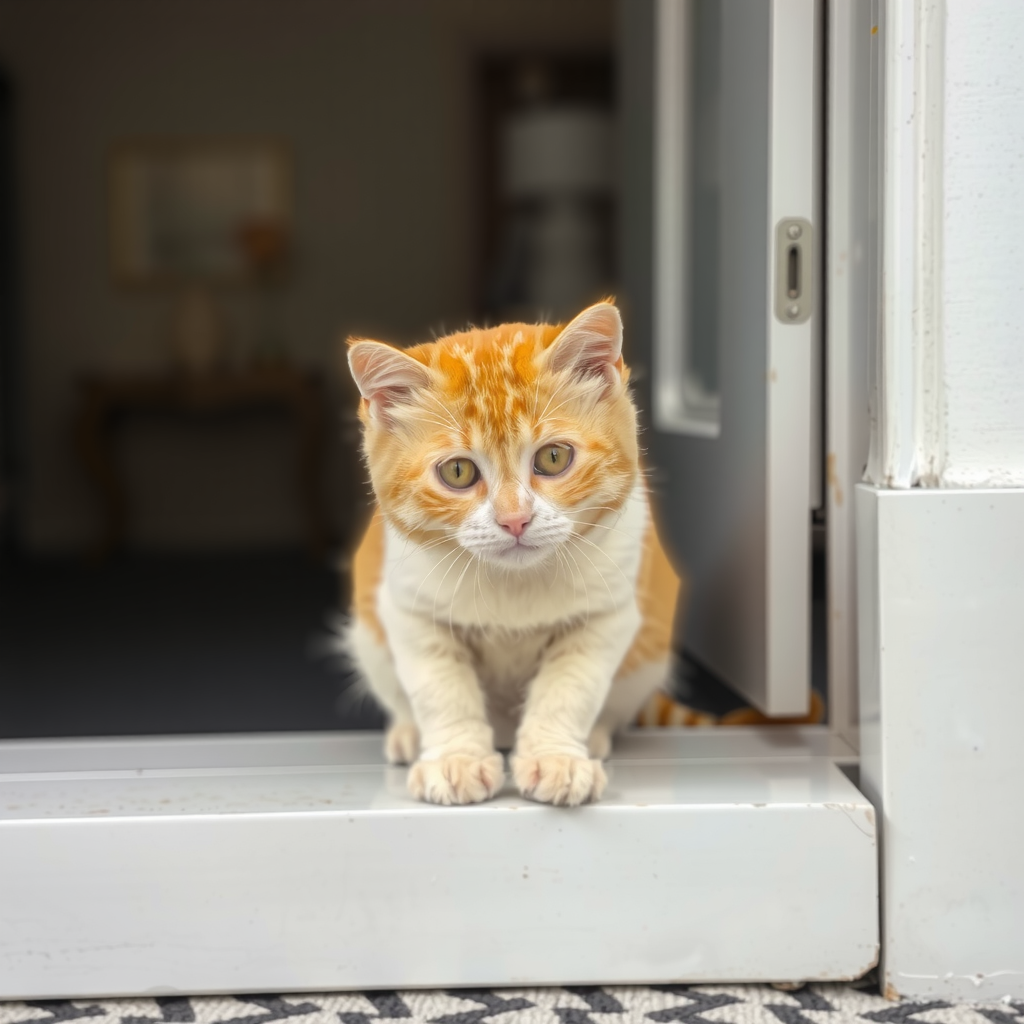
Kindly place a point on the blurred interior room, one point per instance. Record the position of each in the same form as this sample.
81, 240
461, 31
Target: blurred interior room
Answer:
198, 203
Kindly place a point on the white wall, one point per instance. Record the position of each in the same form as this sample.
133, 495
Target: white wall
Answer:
983, 271
949, 407
375, 99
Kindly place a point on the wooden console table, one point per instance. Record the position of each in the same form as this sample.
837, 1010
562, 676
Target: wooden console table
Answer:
105, 400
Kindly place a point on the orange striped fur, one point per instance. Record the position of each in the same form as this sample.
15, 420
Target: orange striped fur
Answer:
516, 602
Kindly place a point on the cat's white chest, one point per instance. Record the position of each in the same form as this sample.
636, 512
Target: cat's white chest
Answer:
505, 663
503, 660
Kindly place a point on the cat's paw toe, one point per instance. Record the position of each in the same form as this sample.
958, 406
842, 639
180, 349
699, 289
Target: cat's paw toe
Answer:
562, 779
402, 743
457, 779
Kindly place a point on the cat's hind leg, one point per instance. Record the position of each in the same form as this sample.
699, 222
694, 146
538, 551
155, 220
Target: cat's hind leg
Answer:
374, 662
629, 692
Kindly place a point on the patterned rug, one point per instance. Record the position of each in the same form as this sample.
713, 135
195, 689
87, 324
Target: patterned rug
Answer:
661, 1004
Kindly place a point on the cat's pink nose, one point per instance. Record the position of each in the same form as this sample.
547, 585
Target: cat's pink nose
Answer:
515, 523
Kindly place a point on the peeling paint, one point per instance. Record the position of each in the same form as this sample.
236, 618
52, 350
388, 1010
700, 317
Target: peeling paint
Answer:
849, 810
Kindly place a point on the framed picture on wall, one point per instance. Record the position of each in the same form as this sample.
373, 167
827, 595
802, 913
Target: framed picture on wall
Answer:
210, 211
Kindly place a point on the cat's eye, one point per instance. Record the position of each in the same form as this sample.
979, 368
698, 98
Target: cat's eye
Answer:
552, 459
458, 473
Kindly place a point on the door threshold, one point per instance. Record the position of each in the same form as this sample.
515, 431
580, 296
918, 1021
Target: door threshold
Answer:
298, 862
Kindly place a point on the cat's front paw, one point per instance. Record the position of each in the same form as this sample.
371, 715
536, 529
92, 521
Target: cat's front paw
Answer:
457, 778
562, 779
401, 743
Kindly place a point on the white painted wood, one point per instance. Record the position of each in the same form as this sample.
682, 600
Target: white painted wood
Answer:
792, 443
907, 448
941, 576
951, 365
738, 502
983, 258
853, 168
291, 863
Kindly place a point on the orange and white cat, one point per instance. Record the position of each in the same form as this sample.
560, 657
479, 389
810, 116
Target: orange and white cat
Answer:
511, 591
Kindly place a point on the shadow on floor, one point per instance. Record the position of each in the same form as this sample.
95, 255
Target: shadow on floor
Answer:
172, 644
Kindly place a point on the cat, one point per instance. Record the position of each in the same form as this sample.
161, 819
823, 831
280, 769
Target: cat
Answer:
511, 591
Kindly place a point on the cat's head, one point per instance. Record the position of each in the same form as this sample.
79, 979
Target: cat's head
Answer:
509, 440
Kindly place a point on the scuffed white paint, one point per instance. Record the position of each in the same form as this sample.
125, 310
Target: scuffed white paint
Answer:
983, 305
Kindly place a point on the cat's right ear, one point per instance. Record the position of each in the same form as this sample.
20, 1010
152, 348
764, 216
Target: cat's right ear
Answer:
385, 376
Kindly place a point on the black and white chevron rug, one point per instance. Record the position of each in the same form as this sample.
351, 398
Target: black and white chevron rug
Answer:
660, 1004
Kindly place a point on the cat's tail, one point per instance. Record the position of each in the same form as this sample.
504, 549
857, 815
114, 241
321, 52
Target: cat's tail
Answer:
662, 710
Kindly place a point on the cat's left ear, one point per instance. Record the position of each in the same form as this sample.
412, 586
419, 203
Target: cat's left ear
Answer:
590, 345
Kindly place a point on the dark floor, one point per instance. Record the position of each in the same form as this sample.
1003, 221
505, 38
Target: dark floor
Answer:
147, 645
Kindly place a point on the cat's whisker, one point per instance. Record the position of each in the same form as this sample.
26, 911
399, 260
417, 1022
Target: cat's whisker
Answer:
408, 552
427, 576
600, 574
629, 583
487, 580
547, 413
599, 526
455, 591
596, 508
583, 580
566, 380
444, 409
563, 566
476, 589
437, 593
440, 424
617, 512
433, 543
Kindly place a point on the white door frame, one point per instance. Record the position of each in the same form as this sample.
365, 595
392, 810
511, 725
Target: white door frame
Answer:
941, 567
